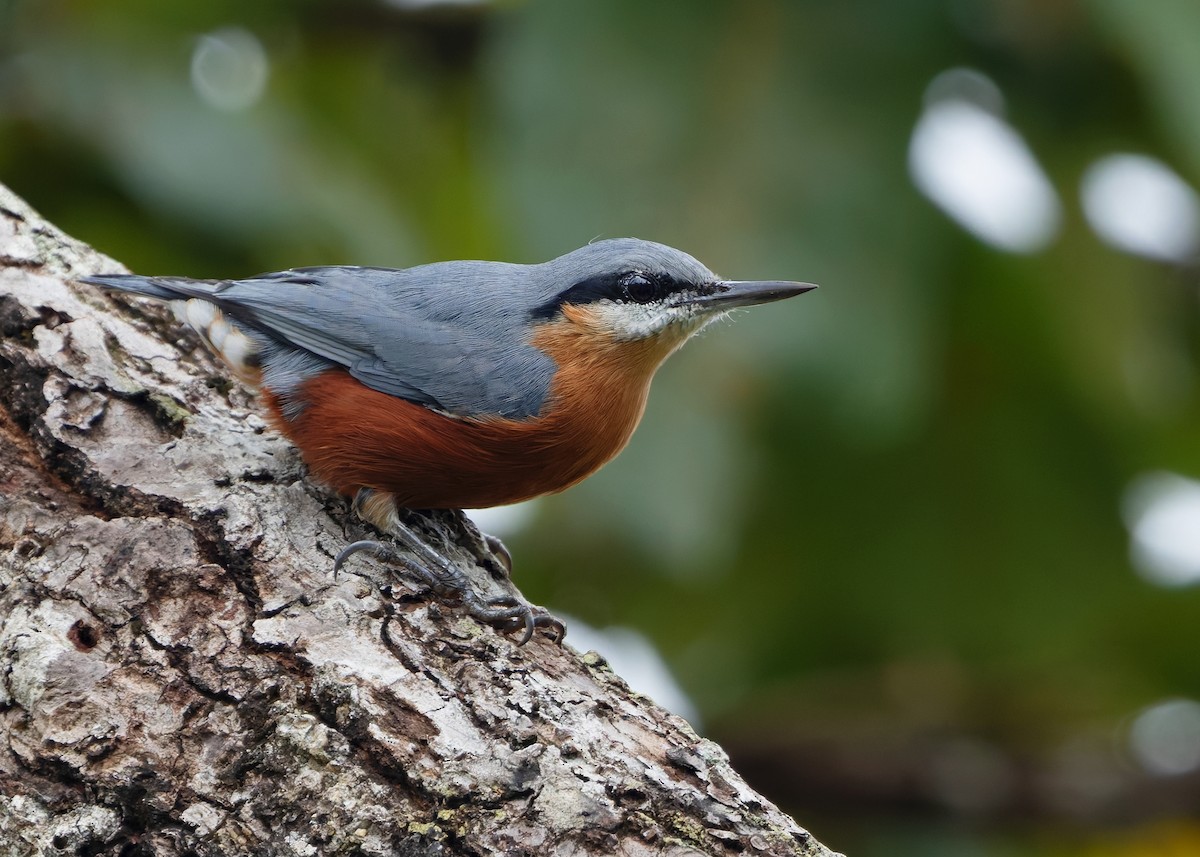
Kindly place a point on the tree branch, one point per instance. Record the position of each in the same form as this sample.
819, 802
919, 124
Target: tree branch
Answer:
182, 674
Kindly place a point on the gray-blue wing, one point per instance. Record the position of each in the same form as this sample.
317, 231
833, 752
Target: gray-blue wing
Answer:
449, 336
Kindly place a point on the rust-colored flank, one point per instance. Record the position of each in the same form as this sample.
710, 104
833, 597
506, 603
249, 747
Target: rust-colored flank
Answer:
355, 437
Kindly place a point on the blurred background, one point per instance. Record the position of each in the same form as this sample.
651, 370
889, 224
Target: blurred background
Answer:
920, 549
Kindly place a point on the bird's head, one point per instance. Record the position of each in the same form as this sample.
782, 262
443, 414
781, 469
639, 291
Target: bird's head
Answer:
626, 290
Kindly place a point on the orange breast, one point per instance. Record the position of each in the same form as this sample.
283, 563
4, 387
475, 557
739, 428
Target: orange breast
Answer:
354, 437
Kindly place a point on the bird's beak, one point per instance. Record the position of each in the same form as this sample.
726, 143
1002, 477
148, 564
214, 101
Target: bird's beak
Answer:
730, 294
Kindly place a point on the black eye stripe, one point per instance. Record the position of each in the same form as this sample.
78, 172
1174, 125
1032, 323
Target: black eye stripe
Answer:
626, 287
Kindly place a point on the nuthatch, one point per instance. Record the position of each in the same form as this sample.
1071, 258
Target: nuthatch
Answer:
457, 384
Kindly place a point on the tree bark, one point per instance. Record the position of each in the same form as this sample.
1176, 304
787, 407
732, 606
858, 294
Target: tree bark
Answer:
182, 674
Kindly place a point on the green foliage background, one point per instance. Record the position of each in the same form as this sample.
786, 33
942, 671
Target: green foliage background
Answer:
875, 531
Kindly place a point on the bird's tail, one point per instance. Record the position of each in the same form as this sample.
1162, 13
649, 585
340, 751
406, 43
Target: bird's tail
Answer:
161, 288
195, 304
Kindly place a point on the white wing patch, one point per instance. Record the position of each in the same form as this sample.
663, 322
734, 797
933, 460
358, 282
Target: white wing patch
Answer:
222, 336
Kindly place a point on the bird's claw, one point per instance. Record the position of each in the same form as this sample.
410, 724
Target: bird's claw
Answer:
449, 584
500, 551
377, 549
507, 615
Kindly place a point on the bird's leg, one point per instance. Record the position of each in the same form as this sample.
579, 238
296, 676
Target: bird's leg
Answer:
447, 581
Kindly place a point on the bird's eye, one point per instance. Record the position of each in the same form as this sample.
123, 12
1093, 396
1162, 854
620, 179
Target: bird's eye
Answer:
640, 288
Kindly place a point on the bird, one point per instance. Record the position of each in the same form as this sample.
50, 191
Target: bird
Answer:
457, 384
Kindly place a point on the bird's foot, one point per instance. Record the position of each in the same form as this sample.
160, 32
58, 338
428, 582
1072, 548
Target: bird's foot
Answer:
450, 585
445, 580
